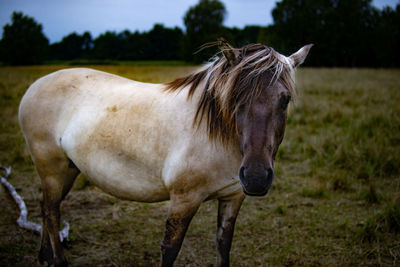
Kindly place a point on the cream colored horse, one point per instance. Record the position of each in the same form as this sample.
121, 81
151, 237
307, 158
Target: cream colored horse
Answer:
155, 142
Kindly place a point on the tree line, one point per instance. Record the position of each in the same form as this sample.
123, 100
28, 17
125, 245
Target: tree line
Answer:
345, 33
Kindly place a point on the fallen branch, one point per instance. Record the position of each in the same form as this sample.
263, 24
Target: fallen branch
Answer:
23, 217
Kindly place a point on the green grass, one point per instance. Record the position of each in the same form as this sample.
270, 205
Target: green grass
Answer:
334, 202
384, 222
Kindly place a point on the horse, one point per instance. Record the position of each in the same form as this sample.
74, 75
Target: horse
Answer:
212, 134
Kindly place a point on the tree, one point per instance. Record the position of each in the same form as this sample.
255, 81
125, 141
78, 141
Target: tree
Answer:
355, 23
72, 46
159, 43
387, 40
23, 42
136, 46
240, 37
203, 24
165, 42
108, 45
299, 22
345, 33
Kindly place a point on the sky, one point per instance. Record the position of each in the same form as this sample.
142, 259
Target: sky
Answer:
62, 17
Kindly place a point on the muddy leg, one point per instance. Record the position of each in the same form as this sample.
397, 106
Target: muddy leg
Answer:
227, 214
57, 180
180, 214
45, 252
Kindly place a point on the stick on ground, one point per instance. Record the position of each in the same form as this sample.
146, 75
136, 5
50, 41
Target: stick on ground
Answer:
23, 217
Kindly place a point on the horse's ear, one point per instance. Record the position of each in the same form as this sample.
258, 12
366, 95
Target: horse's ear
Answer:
229, 52
299, 57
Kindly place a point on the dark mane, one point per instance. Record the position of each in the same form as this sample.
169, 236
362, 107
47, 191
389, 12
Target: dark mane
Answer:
225, 88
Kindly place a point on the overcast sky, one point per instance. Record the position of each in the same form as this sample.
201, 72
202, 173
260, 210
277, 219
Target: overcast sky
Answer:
61, 17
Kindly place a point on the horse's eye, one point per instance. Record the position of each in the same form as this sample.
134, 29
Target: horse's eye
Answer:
284, 101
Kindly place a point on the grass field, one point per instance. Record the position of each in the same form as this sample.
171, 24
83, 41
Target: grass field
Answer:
335, 200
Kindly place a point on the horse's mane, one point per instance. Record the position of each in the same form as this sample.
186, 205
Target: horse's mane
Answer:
225, 88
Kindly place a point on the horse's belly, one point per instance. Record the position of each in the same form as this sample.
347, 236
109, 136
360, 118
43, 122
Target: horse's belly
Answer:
122, 177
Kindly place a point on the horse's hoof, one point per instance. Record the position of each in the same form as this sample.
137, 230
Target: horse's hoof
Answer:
60, 263
46, 255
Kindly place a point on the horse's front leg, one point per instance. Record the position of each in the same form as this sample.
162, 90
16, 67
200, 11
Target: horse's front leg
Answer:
227, 214
181, 211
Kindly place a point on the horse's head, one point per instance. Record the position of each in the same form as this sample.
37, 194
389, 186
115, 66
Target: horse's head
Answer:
244, 96
261, 120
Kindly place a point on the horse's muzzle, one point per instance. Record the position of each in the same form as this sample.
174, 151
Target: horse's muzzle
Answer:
256, 182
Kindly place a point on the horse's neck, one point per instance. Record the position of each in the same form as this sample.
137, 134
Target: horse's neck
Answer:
193, 101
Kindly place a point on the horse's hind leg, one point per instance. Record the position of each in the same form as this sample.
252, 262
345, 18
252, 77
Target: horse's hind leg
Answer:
57, 173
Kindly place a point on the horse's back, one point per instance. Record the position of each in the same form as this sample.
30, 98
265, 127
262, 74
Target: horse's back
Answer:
49, 102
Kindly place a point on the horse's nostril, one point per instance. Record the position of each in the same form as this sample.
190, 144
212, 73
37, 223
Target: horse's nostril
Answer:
242, 176
270, 173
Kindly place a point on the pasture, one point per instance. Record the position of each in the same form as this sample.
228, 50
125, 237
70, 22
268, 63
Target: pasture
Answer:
335, 200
